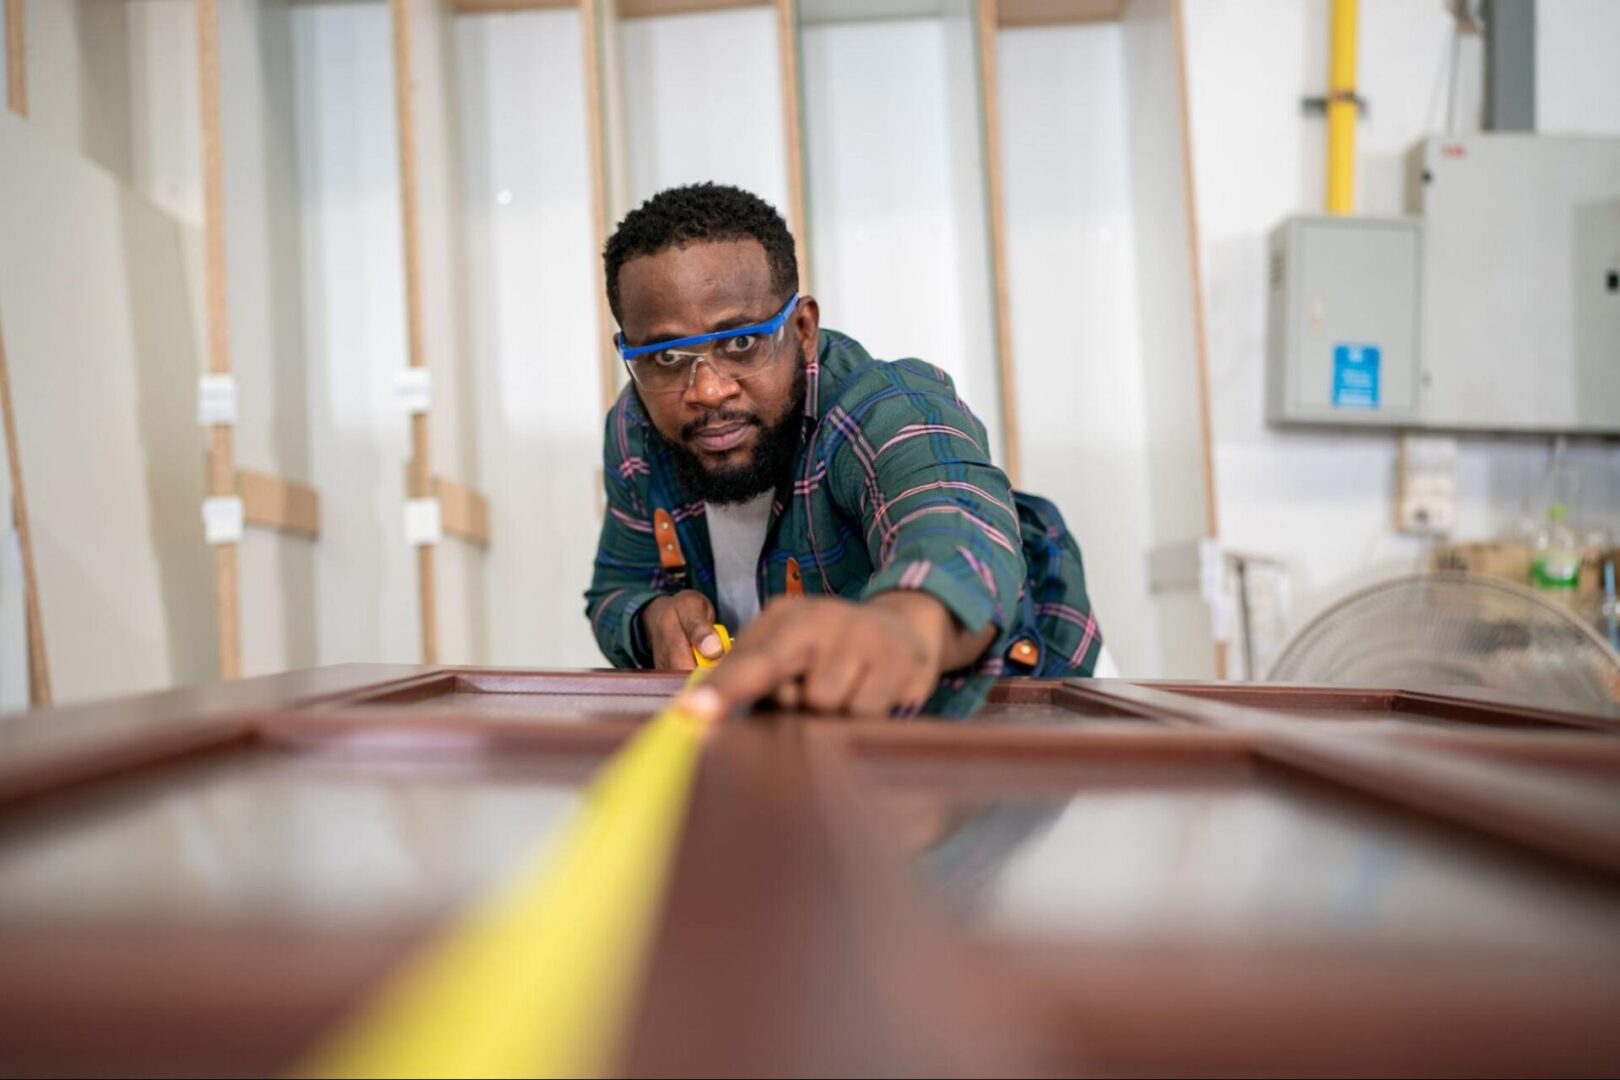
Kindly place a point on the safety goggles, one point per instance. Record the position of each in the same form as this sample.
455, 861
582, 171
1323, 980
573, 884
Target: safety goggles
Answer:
668, 366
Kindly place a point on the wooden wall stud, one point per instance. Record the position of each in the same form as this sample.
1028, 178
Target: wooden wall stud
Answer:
39, 673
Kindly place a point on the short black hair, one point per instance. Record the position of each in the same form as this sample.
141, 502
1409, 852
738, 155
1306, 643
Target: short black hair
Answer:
698, 213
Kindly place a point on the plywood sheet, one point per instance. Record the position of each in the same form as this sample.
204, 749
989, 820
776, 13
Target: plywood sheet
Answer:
100, 337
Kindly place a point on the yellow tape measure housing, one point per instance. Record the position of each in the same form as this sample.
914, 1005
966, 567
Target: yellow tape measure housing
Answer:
725, 647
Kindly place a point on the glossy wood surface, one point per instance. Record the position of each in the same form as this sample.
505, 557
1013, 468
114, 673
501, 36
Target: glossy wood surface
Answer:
1090, 876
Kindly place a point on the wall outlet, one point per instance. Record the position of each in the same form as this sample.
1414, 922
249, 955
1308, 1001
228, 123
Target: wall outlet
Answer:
1426, 487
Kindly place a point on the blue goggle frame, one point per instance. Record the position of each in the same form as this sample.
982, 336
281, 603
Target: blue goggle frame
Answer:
768, 327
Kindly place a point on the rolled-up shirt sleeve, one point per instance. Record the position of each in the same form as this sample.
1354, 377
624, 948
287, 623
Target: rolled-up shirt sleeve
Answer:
913, 462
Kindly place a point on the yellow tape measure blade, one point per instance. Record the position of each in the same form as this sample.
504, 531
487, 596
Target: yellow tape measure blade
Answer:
536, 982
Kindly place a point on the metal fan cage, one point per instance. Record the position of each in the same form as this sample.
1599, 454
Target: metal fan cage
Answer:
1453, 629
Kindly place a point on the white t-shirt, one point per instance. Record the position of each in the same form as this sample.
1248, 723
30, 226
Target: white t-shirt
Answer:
736, 536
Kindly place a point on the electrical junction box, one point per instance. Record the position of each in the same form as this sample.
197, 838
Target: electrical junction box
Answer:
1344, 321
1495, 307
1521, 281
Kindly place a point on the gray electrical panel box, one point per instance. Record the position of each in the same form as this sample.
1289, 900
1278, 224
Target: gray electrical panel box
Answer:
1495, 307
1521, 281
1344, 321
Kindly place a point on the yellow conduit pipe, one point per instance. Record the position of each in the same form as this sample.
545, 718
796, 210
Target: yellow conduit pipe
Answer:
1341, 111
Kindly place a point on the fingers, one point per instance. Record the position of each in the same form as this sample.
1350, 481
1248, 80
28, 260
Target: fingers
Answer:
790, 695
833, 678
767, 660
696, 617
821, 655
824, 655
879, 692
912, 696
755, 669
671, 622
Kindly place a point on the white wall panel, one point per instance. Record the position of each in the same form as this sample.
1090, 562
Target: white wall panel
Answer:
354, 317
462, 626
99, 339
263, 249
1578, 67
896, 213
166, 137
264, 259
703, 101
1071, 242
533, 275
1177, 499
78, 78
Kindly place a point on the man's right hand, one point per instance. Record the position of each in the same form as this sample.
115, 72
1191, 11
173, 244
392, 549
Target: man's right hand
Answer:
675, 625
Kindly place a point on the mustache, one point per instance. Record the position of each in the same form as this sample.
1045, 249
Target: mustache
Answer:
694, 428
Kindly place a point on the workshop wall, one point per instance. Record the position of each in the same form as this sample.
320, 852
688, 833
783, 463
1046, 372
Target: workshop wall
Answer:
355, 337
532, 277
13, 598
99, 301
899, 251
264, 251
702, 100
1322, 501
79, 72
101, 350
896, 190
1075, 310
1577, 78
264, 209
1100, 298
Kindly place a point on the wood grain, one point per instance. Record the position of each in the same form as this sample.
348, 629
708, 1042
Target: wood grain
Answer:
278, 503
640, 9
221, 455
1001, 314
1577, 824
465, 512
1465, 704
39, 668
787, 47
1055, 12
17, 56
759, 876
798, 935
595, 18
156, 997
491, 7
1195, 272
420, 467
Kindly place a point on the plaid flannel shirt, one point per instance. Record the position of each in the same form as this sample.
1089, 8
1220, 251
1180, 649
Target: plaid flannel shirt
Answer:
892, 488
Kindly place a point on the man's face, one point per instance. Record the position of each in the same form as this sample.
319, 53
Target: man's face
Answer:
725, 433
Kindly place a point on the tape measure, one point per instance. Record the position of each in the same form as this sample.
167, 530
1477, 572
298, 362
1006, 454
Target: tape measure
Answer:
538, 981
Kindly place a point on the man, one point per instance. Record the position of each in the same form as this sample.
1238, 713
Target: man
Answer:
757, 459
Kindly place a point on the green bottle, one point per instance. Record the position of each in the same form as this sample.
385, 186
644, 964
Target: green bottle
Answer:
1556, 567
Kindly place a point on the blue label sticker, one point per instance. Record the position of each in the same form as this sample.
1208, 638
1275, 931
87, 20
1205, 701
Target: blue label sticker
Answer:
1355, 376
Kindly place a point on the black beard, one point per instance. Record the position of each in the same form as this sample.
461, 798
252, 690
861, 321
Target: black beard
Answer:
772, 460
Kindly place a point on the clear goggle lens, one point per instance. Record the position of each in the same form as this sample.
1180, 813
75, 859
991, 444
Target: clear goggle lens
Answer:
735, 357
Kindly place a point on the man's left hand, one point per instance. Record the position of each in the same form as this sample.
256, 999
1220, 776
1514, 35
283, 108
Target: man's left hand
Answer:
827, 655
